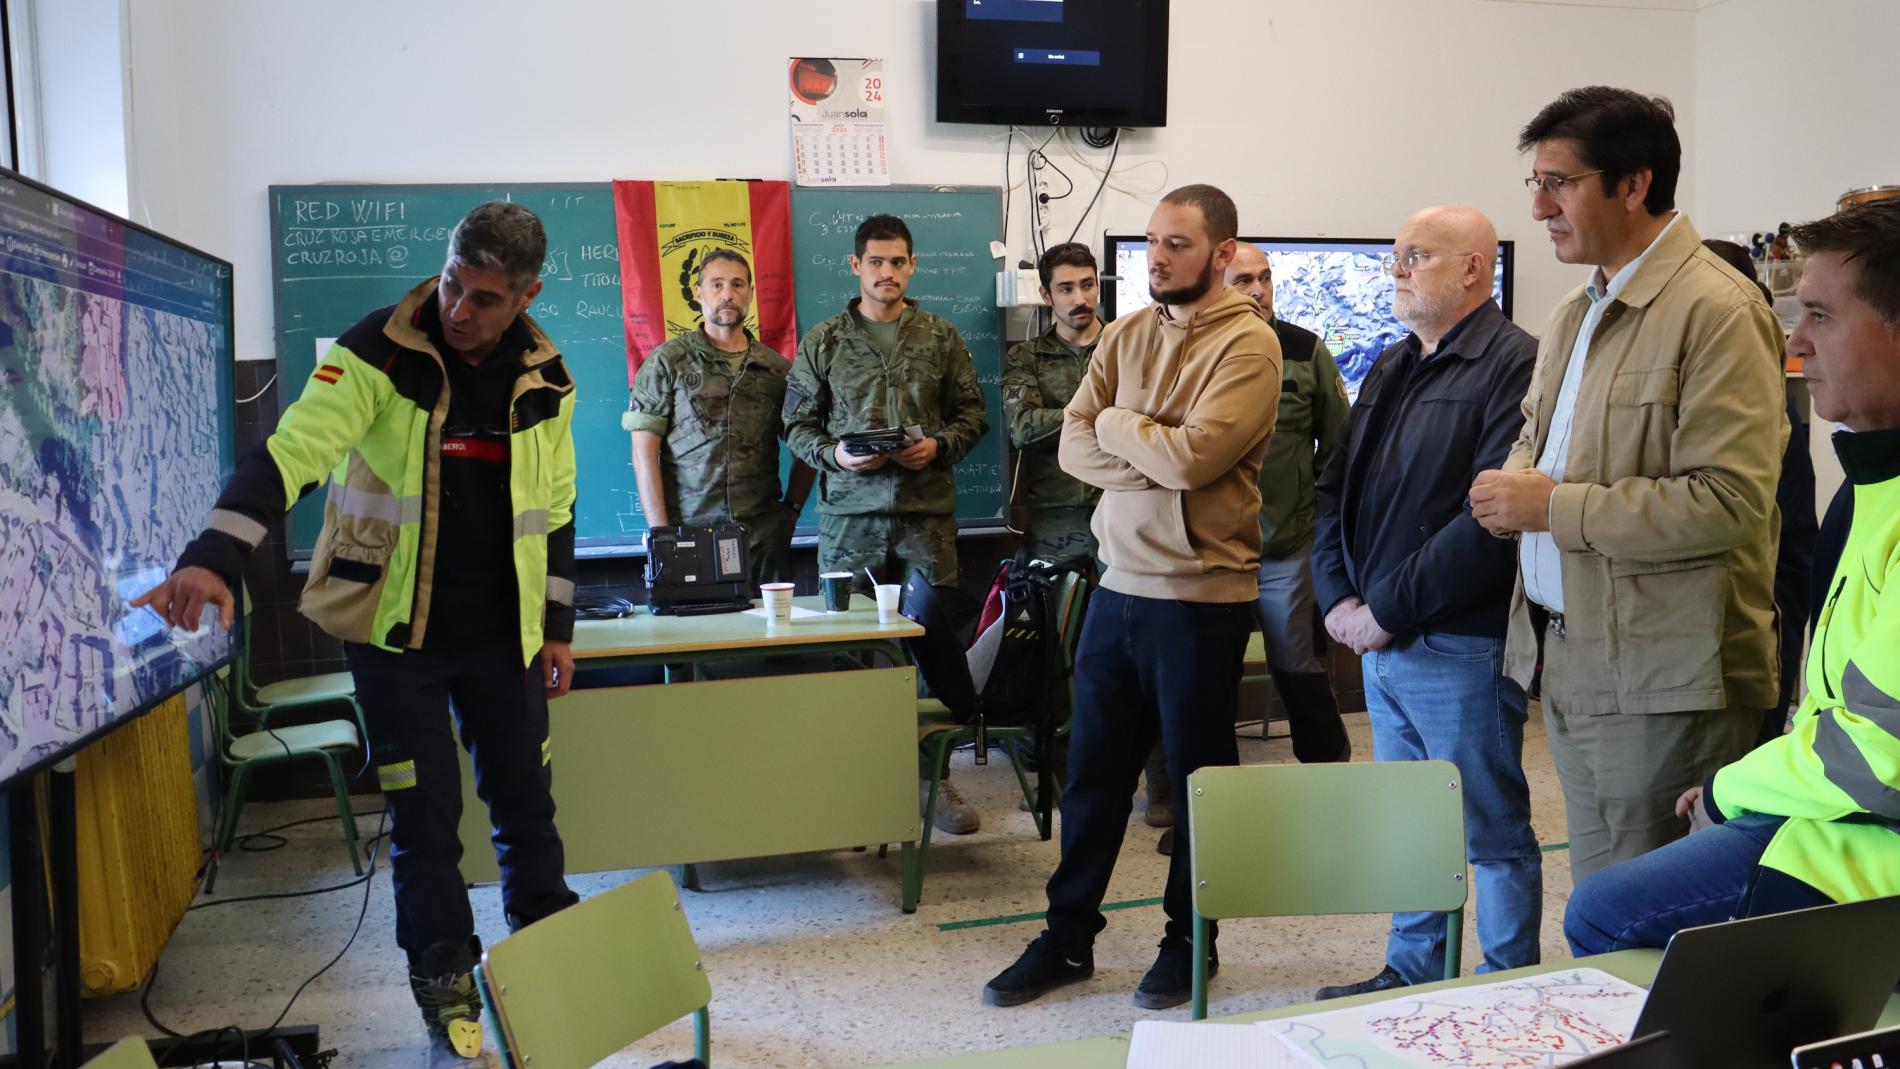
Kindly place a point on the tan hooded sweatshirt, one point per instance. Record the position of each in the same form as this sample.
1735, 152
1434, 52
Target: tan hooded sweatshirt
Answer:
1171, 422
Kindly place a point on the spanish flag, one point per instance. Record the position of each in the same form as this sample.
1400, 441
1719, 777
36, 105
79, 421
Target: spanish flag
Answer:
667, 228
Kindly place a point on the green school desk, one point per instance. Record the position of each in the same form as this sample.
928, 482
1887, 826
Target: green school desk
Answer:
1111, 1052
710, 771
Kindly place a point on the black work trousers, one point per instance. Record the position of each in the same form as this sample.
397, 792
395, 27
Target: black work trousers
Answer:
415, 703
1144, 667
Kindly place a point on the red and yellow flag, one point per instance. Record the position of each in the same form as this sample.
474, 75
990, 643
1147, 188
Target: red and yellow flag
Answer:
667, 228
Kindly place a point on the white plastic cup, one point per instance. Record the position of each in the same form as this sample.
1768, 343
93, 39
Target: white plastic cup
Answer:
778, 602
887, 598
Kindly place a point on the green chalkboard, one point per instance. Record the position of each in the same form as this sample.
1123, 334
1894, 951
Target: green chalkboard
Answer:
955, 279
340, 251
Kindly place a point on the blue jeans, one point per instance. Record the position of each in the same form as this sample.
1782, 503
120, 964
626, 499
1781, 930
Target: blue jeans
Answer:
1445, 697
1712, 876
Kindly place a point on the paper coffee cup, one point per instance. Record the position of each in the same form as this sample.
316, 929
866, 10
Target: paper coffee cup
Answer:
778, 602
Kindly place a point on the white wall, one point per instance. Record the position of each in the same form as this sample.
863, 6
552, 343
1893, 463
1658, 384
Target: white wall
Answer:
1794, 102
1321, 118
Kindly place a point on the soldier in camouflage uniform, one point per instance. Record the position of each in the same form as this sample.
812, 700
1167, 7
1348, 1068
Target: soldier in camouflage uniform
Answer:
1039, 377
705, 416
883, 362
1313, 409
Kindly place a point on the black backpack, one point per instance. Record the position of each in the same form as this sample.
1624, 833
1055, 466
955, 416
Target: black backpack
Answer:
1025, 682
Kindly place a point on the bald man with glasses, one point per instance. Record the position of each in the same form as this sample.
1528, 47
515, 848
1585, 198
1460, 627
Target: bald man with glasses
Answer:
1411, 582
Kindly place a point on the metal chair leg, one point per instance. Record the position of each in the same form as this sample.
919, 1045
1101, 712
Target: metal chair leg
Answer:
343, 810
227, 824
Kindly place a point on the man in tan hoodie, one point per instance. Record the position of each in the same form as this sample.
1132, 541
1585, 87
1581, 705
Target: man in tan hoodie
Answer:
1171, 422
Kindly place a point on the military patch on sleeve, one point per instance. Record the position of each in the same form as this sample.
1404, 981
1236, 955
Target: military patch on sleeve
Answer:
794, 400
1013, 395
1341, 383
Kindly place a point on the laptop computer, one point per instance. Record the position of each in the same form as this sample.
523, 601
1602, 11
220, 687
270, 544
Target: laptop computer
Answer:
1748, 992
1879, 1049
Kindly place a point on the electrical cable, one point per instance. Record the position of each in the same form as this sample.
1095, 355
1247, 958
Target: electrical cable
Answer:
1114, 152
1009, 140
260, 390
151, 978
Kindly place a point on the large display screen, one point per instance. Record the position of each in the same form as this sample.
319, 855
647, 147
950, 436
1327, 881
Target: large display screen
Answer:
1333, 287
1053, 62
116, 433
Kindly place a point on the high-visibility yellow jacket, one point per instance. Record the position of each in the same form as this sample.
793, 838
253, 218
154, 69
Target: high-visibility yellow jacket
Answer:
370, 418
1836, 774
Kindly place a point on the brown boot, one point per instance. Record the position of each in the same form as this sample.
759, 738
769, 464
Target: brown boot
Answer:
954, 816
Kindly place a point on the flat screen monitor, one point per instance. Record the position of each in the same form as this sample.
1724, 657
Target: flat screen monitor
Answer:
116, 433
1053, 62
1333, 287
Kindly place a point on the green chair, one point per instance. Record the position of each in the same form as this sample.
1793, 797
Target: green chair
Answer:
1308, 840
242, 752
573, 988
129, 1053
938, 731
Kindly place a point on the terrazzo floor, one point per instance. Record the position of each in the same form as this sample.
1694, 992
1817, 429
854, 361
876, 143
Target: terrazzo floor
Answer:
811, 962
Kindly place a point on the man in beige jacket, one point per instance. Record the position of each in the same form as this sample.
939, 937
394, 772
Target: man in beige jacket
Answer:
1170, 421
1642, 487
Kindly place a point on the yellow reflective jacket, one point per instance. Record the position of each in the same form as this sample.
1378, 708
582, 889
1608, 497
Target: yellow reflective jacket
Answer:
370, 418
1836, 774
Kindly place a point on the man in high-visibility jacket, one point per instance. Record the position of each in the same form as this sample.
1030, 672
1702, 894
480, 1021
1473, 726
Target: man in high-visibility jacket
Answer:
446, 567
1813, 816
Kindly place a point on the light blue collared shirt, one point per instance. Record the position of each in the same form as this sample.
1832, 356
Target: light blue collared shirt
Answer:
1538, 557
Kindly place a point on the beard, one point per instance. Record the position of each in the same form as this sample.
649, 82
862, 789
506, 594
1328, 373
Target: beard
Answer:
725, 316
1190, 292
1415, 309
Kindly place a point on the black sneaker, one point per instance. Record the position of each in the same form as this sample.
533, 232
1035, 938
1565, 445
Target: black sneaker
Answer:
1042, 968
1170, 981
1387, 980
1166, 846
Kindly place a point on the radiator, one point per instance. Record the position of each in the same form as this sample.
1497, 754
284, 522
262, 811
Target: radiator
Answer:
138, 846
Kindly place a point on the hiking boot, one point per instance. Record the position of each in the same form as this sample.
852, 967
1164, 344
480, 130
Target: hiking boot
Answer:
1043, 967
1387, 980
1170, 981
954, 816
1160, 812
1166, 846
452, 1014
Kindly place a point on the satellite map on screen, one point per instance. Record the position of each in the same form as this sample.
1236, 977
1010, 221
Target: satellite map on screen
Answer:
115, 436
1335, 289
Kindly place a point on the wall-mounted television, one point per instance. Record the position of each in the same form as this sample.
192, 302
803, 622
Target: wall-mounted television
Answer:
116, 433
1333, 287
1053, 62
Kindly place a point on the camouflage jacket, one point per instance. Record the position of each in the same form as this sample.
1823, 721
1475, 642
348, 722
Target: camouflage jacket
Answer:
720, 420
1312, 410
841, 382
1039, 377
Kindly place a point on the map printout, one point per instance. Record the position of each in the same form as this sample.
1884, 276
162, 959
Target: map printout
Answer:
1531, 1023
115, 436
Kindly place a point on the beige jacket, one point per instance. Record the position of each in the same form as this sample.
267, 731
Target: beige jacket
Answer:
1171, 421
1666, 515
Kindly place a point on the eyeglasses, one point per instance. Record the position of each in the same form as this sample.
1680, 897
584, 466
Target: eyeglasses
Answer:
1411, 260
1555, 183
